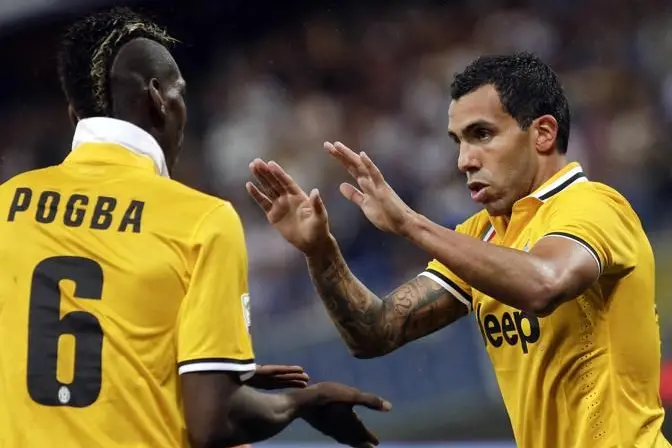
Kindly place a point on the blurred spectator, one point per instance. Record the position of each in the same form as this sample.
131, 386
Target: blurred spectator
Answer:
377, 79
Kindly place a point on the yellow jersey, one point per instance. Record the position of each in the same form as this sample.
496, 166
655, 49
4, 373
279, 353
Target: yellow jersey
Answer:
114, 279
586, 376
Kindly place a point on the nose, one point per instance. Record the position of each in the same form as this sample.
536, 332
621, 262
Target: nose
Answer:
468, 160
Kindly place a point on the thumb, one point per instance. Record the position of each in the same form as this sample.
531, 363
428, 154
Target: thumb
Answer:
352, 194
373, 402
316, 203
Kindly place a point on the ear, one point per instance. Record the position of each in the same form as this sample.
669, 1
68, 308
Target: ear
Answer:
546, 132
156, 98
74, 118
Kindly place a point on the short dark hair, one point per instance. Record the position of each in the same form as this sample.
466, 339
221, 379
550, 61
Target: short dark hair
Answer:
528, 88
87, 52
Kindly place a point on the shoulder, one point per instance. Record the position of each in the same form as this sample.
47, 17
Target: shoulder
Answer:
25, 186
590, 197
206, 216
220, 218
191, 208
27, 178
182, 192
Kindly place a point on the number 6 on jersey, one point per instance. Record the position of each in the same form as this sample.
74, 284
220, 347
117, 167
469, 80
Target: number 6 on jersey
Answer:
45, 327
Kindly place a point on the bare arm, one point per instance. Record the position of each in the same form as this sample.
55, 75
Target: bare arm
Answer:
220, 411
372, 326
554, 271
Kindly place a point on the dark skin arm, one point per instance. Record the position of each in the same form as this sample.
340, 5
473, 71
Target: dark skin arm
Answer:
372, 326
270, 377
221, 412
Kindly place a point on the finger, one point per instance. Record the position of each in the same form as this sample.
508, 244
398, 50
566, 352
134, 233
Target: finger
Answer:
373, 402
317, 204
369, 438
278, 369
295, 376
263, 184
284, 179
260, 198
295, 384
268, 184
373, 170
350, 155
266, 178
352, 194
335, 153
289, 377
360, 434
366, 184
346, 157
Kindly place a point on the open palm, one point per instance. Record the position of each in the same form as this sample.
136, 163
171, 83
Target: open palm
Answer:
300, 218
379, 202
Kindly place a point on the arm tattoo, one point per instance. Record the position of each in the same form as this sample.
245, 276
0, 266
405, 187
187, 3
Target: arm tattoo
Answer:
372, 326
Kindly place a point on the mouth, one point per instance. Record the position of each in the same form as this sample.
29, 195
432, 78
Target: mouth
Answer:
478, 191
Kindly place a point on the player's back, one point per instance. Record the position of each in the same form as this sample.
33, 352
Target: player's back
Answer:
95, 259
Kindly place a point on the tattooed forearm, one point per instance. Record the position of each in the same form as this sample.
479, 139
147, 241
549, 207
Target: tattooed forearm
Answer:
372, 326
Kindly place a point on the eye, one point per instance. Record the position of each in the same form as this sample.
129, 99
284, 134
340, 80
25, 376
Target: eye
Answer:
483, 134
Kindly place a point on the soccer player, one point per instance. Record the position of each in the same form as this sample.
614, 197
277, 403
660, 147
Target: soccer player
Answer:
557, 269
124, 294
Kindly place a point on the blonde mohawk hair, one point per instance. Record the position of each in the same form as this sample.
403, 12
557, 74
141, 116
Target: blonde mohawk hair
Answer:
88, 50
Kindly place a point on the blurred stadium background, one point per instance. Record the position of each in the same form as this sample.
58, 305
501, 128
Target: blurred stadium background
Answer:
277, 79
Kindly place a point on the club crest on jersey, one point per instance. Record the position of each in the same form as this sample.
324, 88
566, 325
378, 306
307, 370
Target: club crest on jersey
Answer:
247, 316
516, 328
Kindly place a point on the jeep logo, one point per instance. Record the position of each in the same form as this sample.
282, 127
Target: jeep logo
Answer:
513, 328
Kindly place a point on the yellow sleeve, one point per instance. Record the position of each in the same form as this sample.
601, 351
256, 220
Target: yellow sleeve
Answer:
450, 282
213, 322
602, 222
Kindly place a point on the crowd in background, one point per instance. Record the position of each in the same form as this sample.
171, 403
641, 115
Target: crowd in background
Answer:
378, 80
380, 83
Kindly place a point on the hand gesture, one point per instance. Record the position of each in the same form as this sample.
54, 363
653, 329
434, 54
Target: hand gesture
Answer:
301, 219
334, 416
379, 202
271, 377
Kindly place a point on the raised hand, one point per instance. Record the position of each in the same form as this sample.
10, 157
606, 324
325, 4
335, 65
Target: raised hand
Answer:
379, 202
334, 416
300, 218
269, 377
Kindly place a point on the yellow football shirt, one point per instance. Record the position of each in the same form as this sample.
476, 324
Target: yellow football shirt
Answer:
587, 376
112, 279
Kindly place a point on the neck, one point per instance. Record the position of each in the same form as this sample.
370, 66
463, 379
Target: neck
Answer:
132, 116
145, 123
547, 169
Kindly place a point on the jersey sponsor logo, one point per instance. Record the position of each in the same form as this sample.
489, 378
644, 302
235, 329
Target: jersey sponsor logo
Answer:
77, 210
516, 328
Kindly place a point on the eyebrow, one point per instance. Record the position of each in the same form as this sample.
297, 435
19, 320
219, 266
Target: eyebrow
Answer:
470, 128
